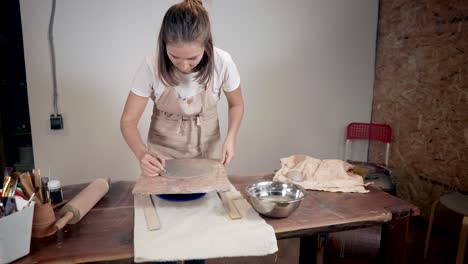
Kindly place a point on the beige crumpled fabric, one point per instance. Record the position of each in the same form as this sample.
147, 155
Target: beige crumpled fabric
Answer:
324, 175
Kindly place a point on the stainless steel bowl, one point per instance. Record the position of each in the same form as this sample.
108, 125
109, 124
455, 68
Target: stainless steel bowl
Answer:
275, 199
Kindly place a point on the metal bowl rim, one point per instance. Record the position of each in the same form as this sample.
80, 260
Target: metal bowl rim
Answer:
250, 186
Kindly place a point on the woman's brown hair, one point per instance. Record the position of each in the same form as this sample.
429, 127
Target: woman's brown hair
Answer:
186, 22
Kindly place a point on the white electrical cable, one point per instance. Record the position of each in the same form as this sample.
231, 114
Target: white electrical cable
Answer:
52, 57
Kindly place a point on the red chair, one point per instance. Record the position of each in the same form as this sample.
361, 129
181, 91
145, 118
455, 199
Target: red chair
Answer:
380, 175
366, 131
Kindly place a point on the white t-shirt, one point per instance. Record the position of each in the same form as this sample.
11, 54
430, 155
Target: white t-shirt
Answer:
225, 77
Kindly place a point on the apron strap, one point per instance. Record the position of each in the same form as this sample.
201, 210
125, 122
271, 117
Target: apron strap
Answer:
180, 127
200, 125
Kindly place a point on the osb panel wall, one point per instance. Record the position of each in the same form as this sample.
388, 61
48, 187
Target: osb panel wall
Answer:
421, 91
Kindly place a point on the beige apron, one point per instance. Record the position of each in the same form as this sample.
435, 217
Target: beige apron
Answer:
185, 128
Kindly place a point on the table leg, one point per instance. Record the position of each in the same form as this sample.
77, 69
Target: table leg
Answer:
394, 235
462, 242
308, 249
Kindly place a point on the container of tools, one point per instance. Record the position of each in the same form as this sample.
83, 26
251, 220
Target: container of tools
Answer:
15, 234
34, 188
43, 221
44, 217
16, 215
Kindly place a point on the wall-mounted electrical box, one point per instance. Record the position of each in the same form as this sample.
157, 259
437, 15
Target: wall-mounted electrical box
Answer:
56, 121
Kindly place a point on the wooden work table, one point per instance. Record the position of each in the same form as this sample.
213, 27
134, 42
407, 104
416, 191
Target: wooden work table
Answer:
106, 232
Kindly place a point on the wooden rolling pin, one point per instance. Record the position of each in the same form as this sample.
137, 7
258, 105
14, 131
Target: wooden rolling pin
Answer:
73, 211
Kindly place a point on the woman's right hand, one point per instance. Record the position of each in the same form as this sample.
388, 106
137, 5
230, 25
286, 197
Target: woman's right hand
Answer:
151, 165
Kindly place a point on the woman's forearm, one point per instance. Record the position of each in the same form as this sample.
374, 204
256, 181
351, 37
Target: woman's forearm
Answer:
133, 138
235, 115
235, 112
133, 110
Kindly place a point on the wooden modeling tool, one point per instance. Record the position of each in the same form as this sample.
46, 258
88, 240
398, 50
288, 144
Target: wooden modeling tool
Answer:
149, 209
229, 205
28, 187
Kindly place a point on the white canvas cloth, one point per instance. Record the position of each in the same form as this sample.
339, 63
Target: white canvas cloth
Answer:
323, 175
201, 229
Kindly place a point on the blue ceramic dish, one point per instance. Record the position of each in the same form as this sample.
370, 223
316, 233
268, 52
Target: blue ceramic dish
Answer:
181, 197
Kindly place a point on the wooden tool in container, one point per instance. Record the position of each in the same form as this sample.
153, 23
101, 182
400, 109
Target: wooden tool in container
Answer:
28, 187
73, 211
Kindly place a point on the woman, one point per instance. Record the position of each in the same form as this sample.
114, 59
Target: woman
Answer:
184, 78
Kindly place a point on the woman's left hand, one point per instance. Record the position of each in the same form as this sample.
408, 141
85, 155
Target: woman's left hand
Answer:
228, 151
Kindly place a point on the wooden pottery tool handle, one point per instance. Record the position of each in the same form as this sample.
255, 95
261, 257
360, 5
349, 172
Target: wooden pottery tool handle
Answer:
28, 187
59, 205
63, 221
